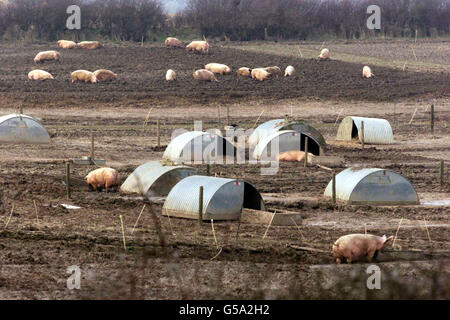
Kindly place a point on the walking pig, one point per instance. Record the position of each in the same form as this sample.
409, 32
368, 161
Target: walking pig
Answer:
356, 247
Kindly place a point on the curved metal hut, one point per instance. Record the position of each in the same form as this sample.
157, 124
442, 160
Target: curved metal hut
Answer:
376, 131
154, 179
19, 128
278, 142
373, 186
197, 146
223, 199
316, 140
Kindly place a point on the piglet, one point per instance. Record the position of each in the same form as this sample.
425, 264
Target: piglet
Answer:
103, 177
356, 247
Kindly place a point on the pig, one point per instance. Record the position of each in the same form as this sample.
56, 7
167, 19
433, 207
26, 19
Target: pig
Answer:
367, 72
204, 75
293, 156
274, 71
83, 75
324, 54
289, 72
244, 72
218, 68
104, 75
260, 74
198, 46
171, 75
66, 44
102, 177
39, 75
47, 56
90, 45
357, 247
173, 43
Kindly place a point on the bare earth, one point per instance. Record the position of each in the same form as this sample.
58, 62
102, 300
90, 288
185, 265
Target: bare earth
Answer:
183, 261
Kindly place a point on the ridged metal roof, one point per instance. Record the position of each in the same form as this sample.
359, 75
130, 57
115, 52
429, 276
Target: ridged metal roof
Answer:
155, 179
20, 128
195, 145
372, 186
267, 128
269, 147
376, 131
223, 199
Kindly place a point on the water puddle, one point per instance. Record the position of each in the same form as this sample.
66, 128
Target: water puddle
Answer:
437, 203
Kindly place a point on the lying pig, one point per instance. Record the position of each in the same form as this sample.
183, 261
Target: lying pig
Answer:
104, 75
293, 156
39, 75
83, 75
356, 247
102, 177
204, 75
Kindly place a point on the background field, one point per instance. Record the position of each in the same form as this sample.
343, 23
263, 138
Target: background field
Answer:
182, 261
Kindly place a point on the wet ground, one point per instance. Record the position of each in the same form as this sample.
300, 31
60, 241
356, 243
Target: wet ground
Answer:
175, 258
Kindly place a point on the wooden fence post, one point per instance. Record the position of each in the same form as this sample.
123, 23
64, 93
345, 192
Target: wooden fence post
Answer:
92, 147
362, 135
68, 179
432, 119
200, 206
333, 188
158, 132
306, 152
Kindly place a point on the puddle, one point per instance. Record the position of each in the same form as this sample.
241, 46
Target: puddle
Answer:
438, 203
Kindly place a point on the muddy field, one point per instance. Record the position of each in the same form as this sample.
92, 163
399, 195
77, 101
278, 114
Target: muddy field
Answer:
142, 69
175, 258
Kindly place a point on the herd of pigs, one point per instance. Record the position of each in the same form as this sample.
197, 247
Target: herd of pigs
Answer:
206, 74
348, 248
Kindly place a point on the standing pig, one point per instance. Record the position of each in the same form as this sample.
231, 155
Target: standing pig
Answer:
244, 72
367, 72
218, 68
47, 56
173, 43
103, 177
356, 247
289, 72
204, 75
171, 75
260, 74
198, 46
83, 75
274, 71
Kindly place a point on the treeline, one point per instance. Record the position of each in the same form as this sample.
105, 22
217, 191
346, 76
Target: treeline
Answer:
144, 20
309, 19
123, 20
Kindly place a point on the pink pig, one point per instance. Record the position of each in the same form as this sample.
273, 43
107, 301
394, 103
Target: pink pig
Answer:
103, 177
355, 247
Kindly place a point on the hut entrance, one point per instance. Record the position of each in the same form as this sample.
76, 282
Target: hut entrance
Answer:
252, 198
355, 135
313, 146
